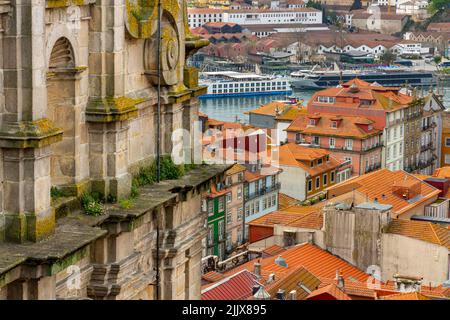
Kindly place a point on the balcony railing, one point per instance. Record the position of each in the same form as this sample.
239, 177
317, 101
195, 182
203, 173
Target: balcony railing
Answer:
424, 164
262, 191
428, 126
372, 168
372, 147
414, 115
426, 147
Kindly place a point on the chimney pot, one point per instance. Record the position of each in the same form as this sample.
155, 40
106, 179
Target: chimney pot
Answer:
293, 295
255, 289
280, 294
257, 269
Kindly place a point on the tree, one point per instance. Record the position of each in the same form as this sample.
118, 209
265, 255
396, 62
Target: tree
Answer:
437, 59
314, 4
356, 5
436, 5
387, 57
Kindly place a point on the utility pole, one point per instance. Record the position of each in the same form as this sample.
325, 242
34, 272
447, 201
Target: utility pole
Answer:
158, 144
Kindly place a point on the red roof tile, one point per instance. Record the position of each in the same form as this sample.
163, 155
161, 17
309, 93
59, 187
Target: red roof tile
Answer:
239, 286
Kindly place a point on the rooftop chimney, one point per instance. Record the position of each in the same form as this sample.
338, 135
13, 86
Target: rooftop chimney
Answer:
407, 283
271, 278
293, 295
255, 289
280, 294
257, 269
340, 280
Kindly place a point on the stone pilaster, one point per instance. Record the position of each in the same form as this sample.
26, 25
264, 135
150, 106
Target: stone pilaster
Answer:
28, 215
109, 110
25, 131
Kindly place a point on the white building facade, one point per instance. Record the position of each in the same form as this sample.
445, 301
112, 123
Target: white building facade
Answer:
197, 17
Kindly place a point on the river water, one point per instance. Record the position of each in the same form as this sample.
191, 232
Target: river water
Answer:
232, 108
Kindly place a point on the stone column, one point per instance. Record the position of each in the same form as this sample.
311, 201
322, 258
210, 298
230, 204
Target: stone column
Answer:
109, 110
25, 133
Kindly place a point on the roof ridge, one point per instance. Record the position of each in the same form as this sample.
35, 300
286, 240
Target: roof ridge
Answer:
435, 234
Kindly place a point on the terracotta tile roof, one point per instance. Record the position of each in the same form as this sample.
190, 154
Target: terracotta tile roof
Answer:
298, 279
276, 109
214, 122
266, 171
290, 114
406, 296
421, 176
439, 26
381, 98
314, 220
309, 217
275, 217
429, 291
285, 201
235, 169
380, 184
443, 172
421, 230
330, 290
317, 261
238, 286
212, 276
353, 288
294, 155
214, 193
273, 250
348, 126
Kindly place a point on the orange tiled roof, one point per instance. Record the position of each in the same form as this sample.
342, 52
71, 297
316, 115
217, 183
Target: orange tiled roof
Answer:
331, 290
290, 114
406, 296
292, 154
379, 184
291, 280
276, 217
314, 220
349, 126
214, 122
266, 171
273, 250
354, 288
421, 230
285, 201
317, 261
382, 98
295, 215
212, 276
235, 169
275, 109
215, 193
443, 172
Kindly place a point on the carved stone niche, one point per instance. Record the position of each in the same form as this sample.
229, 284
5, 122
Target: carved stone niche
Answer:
171, 53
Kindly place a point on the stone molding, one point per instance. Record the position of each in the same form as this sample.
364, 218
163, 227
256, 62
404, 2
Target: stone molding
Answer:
29, 134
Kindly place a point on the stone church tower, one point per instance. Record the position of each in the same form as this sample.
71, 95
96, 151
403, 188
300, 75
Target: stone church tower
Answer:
78, 111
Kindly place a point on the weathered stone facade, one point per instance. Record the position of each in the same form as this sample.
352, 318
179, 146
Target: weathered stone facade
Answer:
78, 101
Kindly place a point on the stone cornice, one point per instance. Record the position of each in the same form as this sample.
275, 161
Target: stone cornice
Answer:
112, 109
29, 134
67, 3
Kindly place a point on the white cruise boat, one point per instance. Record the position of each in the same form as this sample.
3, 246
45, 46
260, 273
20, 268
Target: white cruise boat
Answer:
236, 84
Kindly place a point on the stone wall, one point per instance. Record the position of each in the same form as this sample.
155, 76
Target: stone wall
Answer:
78, 103
408, 256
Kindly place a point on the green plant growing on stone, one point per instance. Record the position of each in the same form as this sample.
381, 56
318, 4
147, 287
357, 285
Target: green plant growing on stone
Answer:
126, 203
56, 193
91, 204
